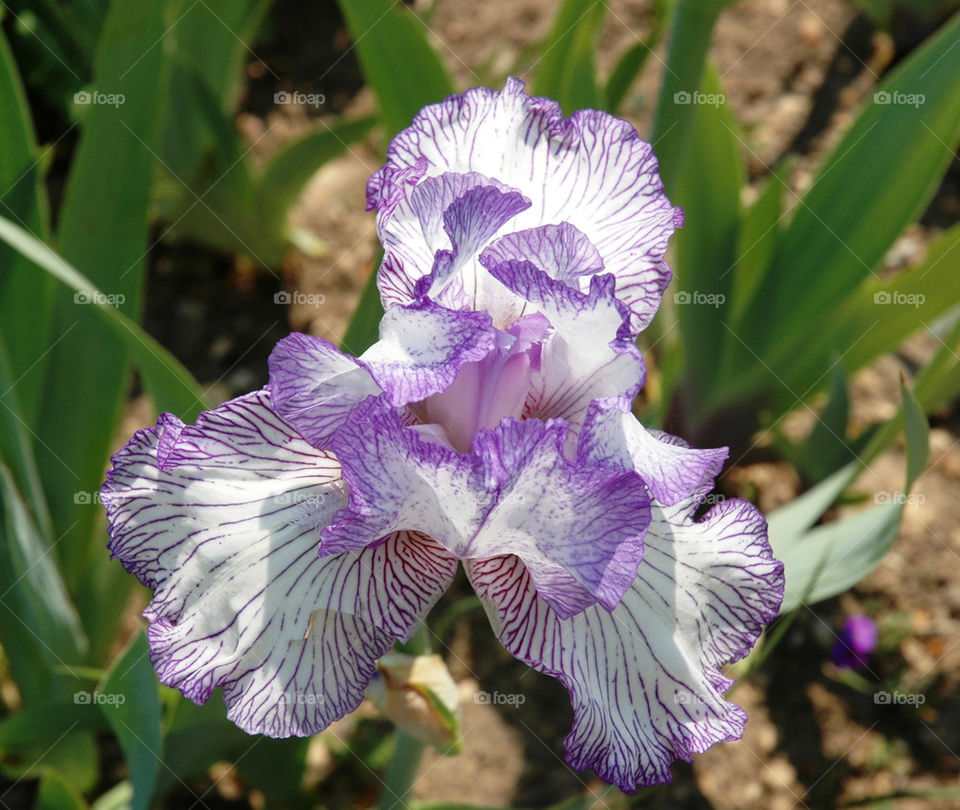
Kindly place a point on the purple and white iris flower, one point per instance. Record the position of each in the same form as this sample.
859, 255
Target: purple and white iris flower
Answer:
293, 534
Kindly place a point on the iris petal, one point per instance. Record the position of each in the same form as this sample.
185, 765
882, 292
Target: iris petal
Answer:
226, 535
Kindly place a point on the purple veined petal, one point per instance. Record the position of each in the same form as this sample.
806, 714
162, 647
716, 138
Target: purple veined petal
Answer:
590, 355
437, 233
226, 536
423, 347
561, 251
578, 528
672, 470
645, 679
421, 350
315, 386
418, 232
592, 171
456, 278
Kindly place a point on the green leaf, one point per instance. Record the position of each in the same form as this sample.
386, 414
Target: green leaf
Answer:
759, 233
706, 245
24, 328
877, 318
826, 449
16, 447
103, 229
172, 387
398, 63
633, 59
118, 797
831, 558
566, 71
129, 698
56, 793
918, 435
875, 182
73, 755
691, 30
41, 724
39, 626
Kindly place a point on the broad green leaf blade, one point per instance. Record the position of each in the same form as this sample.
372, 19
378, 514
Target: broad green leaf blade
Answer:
56, 793
103, 229
39, 626
706, 245
197, 737
831, 558
119, 797
209, 199
566, 70
877, 318
73, 756
875, 182
16, 448
397, 61
691, 30
880, 315
172, 387
826, 449
633, 59
130, 700
213, 39
788, 523
937, 382
24, 327
759, 233
41, 724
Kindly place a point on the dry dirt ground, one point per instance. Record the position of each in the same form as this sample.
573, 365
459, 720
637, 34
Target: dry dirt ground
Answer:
795, 73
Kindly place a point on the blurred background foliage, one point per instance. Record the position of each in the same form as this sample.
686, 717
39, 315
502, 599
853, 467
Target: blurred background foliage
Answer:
119, 153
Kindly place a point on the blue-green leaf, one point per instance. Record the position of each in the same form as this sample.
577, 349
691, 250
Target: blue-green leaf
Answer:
397, 61
129, 698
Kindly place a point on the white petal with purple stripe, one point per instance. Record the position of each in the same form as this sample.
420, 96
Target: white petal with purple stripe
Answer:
591, 171
644, 678
227, 536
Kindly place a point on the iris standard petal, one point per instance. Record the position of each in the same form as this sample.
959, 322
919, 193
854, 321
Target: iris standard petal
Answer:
592, 171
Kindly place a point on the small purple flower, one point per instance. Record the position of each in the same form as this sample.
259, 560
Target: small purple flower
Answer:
856, 643
293, 534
